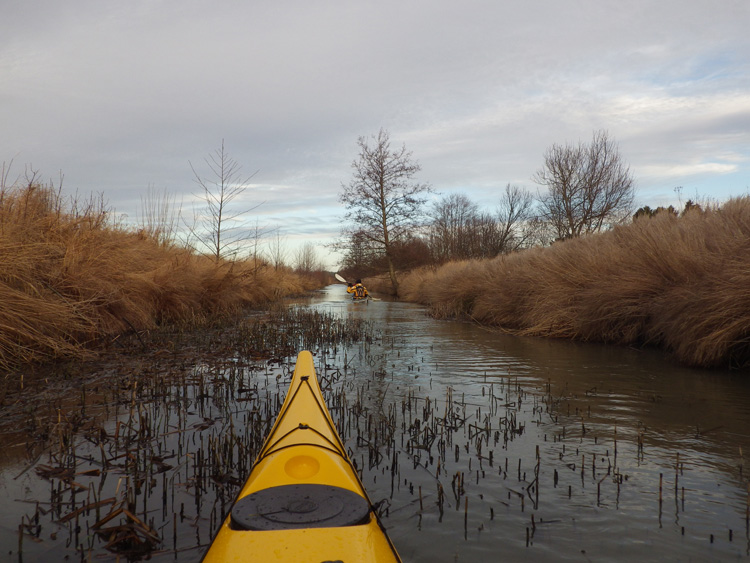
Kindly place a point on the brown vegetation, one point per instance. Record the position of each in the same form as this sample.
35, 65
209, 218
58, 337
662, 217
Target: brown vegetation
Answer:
70, 278
678, 283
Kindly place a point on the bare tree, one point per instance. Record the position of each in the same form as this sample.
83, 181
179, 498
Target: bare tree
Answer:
383, 202
459, 230
590, 187
453, 218
484, 236
359, 252
306, 259
277, 250
539, 232
513, 216
220, 227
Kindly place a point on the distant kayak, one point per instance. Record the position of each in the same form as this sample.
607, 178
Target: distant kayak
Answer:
303, 500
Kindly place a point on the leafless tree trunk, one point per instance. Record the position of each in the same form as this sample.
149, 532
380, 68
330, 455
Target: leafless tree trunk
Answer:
590, 187
382, 201
513, 216
277, 250
253, 236
220, 226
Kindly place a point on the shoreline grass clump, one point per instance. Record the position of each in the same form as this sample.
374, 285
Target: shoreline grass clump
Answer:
72, 279
681, 284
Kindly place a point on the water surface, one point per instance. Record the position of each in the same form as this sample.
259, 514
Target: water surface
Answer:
479, 446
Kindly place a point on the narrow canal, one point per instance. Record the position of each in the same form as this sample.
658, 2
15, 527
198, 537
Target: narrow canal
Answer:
478, 446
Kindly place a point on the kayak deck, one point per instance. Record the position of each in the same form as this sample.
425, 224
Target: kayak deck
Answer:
303, 500
351, 544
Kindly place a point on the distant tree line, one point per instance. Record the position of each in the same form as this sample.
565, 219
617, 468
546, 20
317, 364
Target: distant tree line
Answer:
391, 225
647, 212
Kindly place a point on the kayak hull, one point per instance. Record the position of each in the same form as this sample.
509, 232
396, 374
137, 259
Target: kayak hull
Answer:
303, 500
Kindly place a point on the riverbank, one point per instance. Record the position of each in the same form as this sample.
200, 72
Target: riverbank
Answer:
680, 284
71, 280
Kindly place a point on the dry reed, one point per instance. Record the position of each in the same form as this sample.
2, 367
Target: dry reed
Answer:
677, 283
70, 278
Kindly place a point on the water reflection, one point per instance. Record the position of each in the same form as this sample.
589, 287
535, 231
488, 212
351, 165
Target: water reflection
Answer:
637, 456
481, 446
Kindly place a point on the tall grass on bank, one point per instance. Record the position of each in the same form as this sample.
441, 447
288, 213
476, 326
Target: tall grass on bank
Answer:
69, 278
681, 284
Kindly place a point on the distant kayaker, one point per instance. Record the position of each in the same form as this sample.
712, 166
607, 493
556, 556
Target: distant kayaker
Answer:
358, 290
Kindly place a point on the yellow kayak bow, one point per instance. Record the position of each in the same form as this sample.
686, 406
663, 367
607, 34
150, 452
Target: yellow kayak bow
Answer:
303, 500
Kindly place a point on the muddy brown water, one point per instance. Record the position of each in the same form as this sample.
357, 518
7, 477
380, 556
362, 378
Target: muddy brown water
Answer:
478, 446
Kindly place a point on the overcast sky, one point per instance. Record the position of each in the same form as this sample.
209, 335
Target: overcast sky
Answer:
120, 96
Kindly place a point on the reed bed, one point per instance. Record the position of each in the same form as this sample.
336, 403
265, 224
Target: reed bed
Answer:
147, 460
71, 279
144, 461
681, 284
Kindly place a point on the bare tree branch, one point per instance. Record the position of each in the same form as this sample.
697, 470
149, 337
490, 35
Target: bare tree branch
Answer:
220, 227
382, 201
590, 187
514, 215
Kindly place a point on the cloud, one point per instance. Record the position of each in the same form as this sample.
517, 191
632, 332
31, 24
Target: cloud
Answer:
686, 170
124, 96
